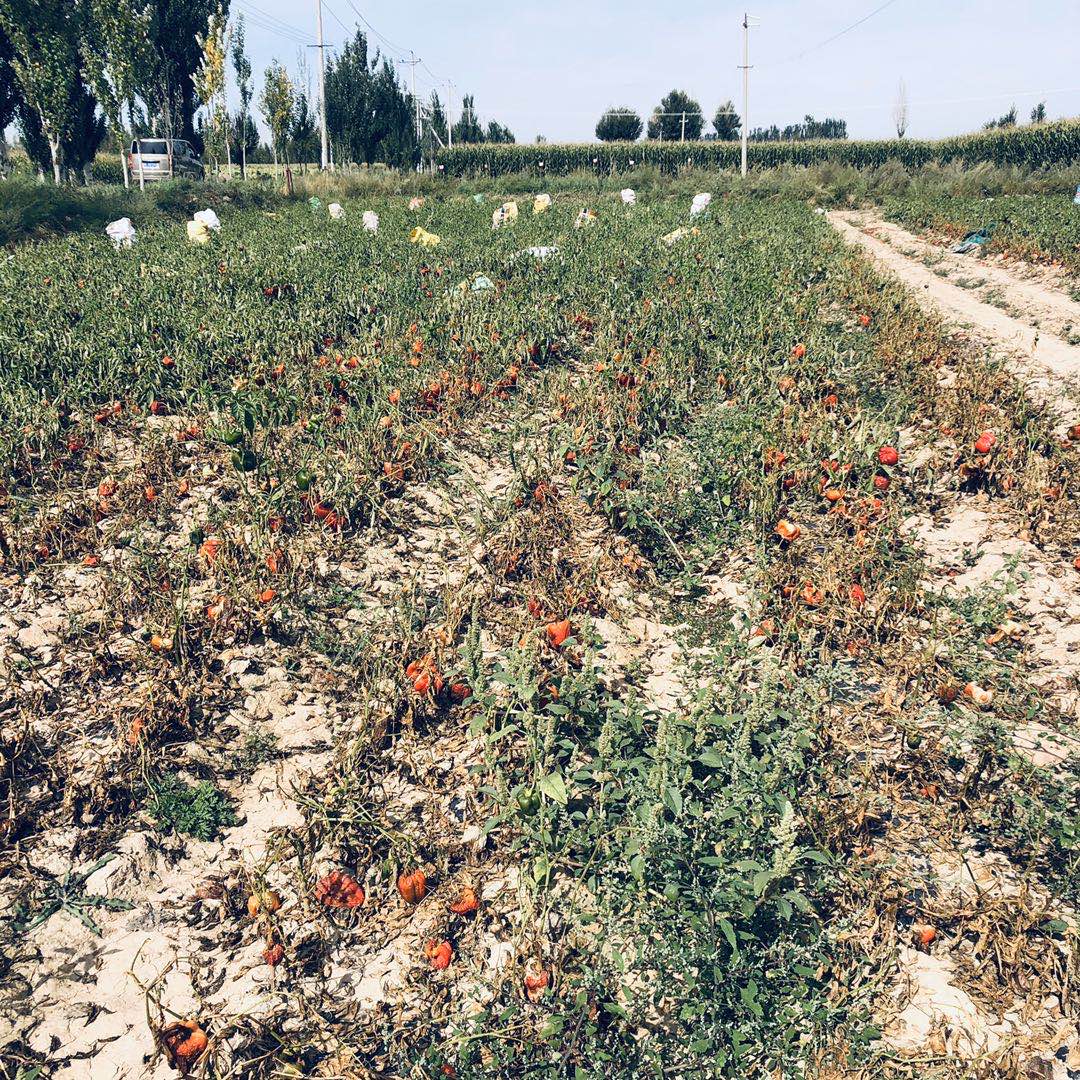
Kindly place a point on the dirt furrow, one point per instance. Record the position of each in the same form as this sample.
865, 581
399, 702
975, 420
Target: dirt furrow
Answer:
1049, 365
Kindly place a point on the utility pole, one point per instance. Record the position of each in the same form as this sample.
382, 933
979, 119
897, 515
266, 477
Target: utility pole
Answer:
682, 137
412, 62
325, 155
449, 114
745, 86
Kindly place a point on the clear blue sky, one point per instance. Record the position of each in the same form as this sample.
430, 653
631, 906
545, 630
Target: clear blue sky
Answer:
551, 68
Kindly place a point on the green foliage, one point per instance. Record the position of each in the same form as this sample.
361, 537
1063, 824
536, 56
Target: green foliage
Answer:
809, 129
1008, 120
168, 85
468, 128
278, 101
678, 116
32, 211
727, 123
9, 88
197, 810
1044, 146
1041, 227
368, 113
67, 894
44, 36
619, 125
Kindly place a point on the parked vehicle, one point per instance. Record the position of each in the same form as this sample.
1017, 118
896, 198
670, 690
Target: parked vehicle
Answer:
163, 159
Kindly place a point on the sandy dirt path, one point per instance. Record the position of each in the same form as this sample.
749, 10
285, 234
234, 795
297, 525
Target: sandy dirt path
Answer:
1021, 316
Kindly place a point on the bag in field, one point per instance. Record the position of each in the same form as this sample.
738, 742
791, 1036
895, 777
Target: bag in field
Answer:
700, 203
416, 202
628, 196
336, 211
541, 203
121, 232
672, 238
209, 219
198, 232
371, 221
507, 212
423, 237
585, 217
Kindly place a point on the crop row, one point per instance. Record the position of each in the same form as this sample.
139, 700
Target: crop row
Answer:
1047, 145
1034, 227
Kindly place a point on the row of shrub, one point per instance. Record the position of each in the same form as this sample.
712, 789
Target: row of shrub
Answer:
1037, 146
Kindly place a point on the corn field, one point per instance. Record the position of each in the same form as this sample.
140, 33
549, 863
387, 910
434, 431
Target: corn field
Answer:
1034, 147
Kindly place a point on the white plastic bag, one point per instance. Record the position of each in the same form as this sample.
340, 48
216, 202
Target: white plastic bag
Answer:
585, 217
371, 221
507, 212
700, 203
121, 232
336, 211
209, 219
628, 196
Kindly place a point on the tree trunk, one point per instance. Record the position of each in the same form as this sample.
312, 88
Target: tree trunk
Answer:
54, 150
228, 141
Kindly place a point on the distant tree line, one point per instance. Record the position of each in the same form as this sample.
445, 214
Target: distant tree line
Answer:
77, 76
808, 129
1009, 119
679, 118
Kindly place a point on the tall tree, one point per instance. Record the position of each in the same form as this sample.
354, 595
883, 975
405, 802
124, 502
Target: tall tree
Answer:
1008, 120
727, 123
900, 110
304, 136
677, 116
169, 85
44, 36
393, 136
245, 137
436, 124
9, 87
497, 133
1038, 114
619, 125
277, 103
116, 49
468, 128
210, 83
350, 101
242, 70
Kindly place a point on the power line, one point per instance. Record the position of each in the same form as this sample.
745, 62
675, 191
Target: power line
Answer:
400, 50
265, 21
336, 19
829, 40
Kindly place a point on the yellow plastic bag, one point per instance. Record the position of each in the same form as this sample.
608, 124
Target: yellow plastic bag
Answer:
423, 237
541, 203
